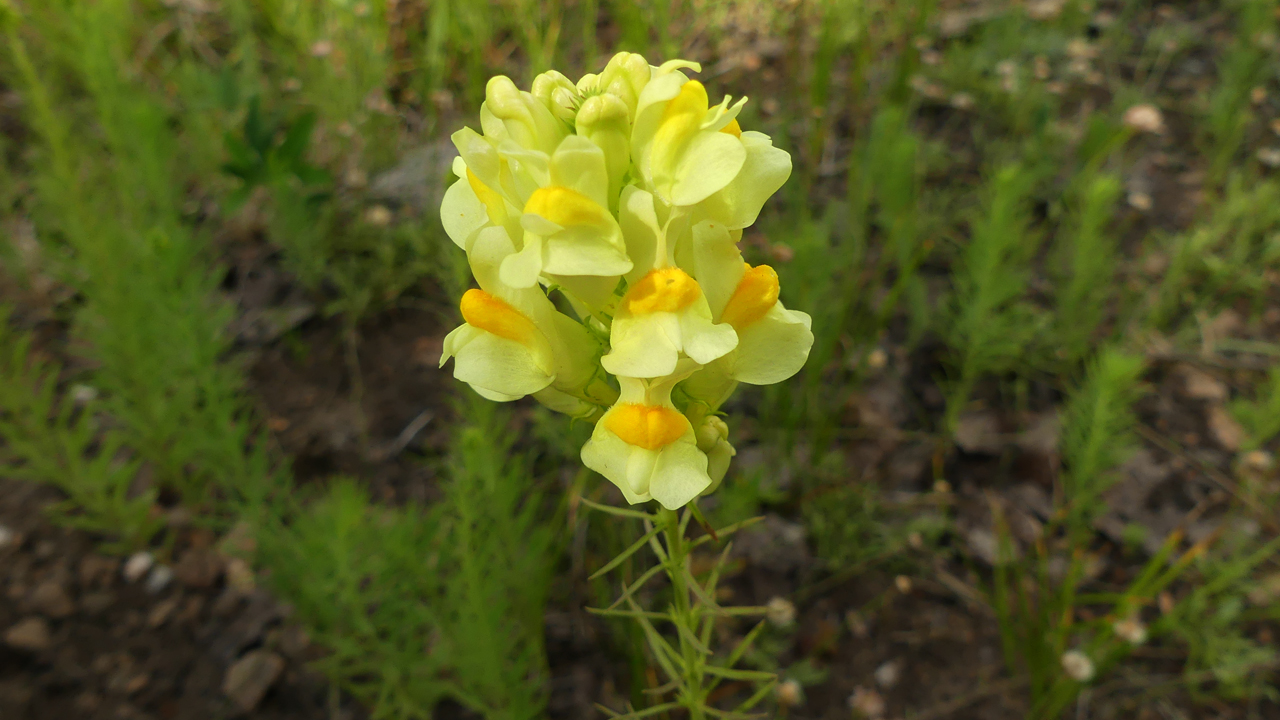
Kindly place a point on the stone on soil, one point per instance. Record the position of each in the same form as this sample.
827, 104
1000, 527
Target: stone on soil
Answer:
51, 600
249, 679
137, 565
31, 634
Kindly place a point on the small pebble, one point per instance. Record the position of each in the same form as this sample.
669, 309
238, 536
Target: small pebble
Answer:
7, 536
790, 693
248, 680
867, 703
1269, 156
888, 674
51, 600
1258, 461
1145, 118
240, 576
781, 612
161, 613
1131, 630
159, 579
903, 583
31, 634
378, 216
857, 624
1077, 665
83, 394
137, 565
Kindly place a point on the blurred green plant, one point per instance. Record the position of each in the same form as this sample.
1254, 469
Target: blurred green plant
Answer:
1087, 257
419, 604
61, 442
988, 324
150, 321
1260, 417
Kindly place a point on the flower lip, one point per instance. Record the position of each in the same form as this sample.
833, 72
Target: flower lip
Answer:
668, 289
564, 206
756, 293
493, 202
733, 128
492, 314
651, 427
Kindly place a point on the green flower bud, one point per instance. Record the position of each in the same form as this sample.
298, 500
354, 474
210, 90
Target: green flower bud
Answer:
606, 121
625, 76
525, 119
557, 93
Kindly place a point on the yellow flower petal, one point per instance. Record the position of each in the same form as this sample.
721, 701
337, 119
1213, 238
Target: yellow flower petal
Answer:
757, 293
667, 289
565, 207
484, 311
733, 128
648, 426
493, 202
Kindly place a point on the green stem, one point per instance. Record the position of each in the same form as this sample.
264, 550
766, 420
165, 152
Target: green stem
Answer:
683, 614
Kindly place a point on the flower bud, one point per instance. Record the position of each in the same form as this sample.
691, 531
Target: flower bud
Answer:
625, 76
713, 439
525, 118
557, 93
606, 121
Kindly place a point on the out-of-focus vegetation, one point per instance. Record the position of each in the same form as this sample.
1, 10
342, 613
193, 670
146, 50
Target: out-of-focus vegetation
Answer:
1025, 206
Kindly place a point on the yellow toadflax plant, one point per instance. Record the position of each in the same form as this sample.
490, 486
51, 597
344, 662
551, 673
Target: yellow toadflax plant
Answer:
626, 192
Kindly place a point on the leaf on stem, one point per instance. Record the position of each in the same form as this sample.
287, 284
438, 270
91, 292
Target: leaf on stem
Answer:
625, 554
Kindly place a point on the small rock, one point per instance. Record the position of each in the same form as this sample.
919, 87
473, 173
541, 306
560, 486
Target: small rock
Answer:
1266, 592
1140, 201
378, 216
248, 680
46, 549
903, 583
1044, 9
1224, 428
198, 568
1130, 630
295, 641
1077, 666
97, 570
136, 683
239, 540
160, 614
984, 544
418, 182
857, 624
1269, 156
137, 565
95, 603
979, 433
159, 579
776, 544
31, 634
83, 394
867, 703
240, 576
888, 674
1200, 385
781, 612
51, 600
7, 536
790, 693
1144, 118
